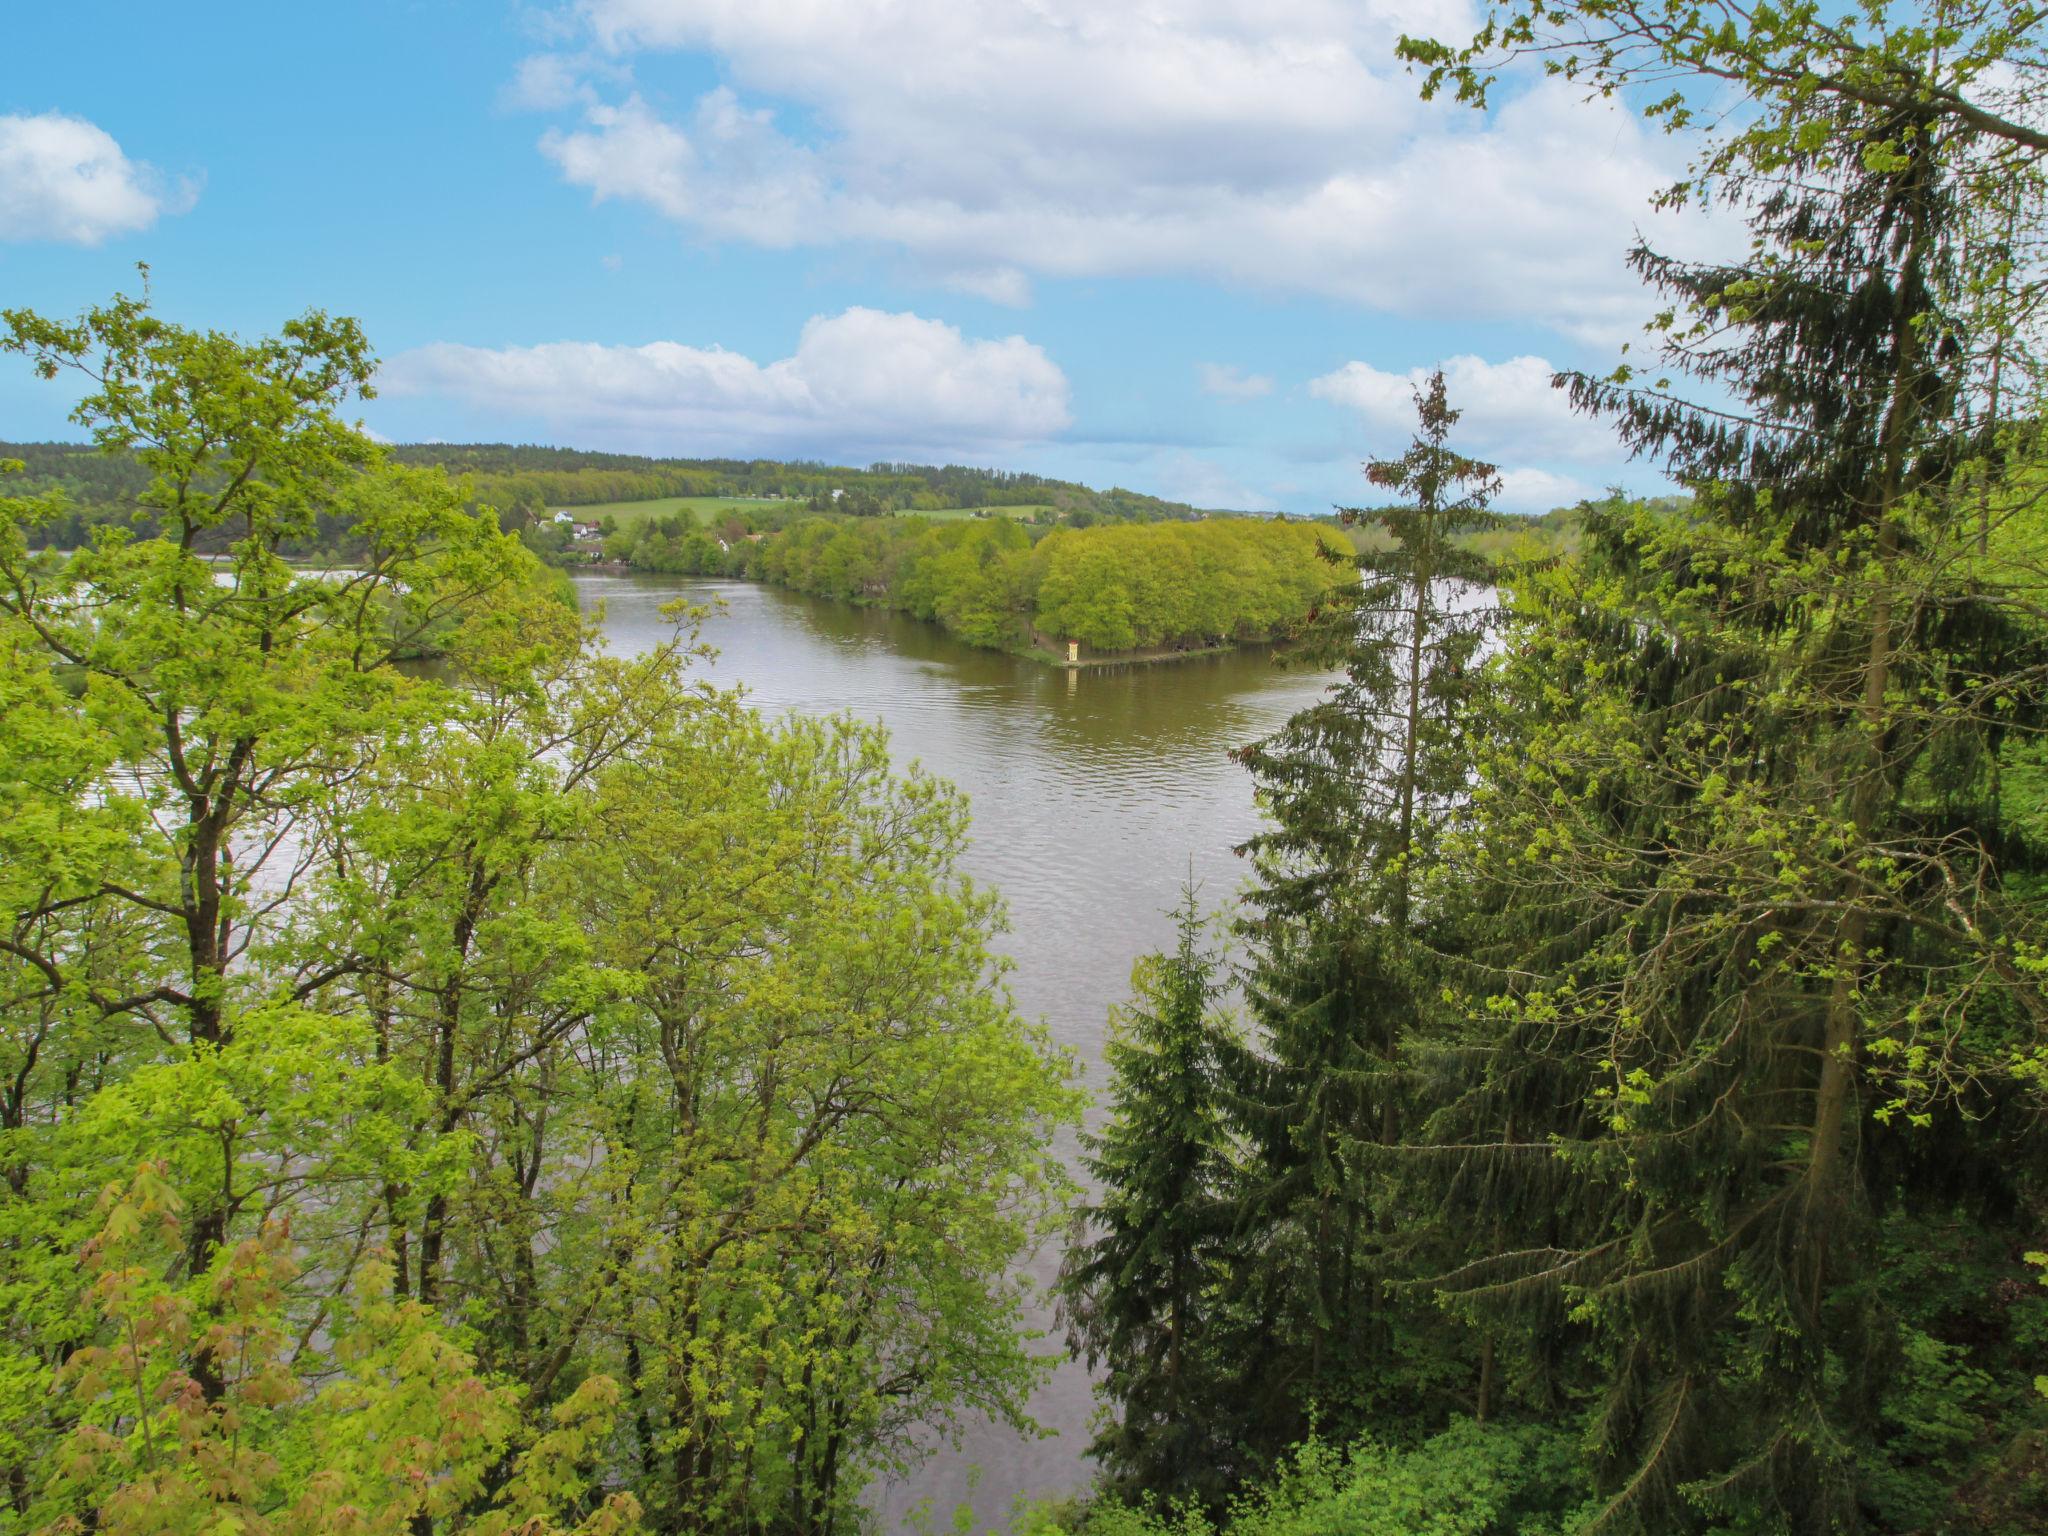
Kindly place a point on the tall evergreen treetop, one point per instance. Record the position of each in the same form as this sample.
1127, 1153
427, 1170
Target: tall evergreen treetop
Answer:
1358, 787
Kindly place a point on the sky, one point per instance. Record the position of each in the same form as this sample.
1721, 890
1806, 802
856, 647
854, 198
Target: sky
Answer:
1198, 248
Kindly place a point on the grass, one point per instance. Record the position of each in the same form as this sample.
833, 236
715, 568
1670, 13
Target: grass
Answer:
959, 514
708, 509
703, 508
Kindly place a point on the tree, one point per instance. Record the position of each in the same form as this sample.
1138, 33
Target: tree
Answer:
1359, 787
402, 1434
1137, 1284
559, 1091
1972, 69
1757, 904
238, 693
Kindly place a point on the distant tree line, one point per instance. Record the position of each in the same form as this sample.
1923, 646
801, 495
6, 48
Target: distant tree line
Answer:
523, 485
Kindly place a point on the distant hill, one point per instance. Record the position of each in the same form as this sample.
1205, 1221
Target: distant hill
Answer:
512, 477
523, 482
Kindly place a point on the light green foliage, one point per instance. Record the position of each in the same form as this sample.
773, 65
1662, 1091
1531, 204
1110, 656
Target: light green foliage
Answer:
818, 1121
1116, 587
1470, 1480
558, 1093
704, 510
394, 1428
1179, 583
1975, 69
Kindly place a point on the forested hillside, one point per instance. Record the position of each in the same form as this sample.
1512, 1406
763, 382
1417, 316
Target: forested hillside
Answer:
522, 484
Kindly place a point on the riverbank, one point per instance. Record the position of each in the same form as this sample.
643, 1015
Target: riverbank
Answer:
1151, 656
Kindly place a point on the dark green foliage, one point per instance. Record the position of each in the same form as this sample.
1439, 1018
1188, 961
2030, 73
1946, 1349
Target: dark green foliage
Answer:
1746, 874
1344, 970
1137, 1285
1662, 996
1300, 1323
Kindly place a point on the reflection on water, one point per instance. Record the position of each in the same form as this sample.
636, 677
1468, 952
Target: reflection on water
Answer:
1092, 793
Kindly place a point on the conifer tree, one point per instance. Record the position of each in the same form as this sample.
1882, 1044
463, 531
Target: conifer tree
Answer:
1358, 787
1136, 1292
1757, 883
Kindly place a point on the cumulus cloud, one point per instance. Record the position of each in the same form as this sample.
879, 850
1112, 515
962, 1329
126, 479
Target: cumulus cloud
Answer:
1508, 410
63, 178
730, 176
1232, 382
546, 82
999, 285
862, 381
1204, 483
1274, 144
1539, 490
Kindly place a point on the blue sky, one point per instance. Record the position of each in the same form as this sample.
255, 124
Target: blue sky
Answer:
1196, 248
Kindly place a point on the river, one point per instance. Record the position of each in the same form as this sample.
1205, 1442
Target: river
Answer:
1092, 793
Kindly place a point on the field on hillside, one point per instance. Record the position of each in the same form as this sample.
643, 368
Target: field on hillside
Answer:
955, 514
627, 513
708, 508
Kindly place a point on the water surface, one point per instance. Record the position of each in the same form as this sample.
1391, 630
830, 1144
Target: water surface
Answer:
1092, 793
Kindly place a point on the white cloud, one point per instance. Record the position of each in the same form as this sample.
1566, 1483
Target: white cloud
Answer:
860, 381
63, 178
1539, 490
629, 153
1202, 483
1232, 382
546, 82
731, 176
999, 285
1508, 411
1271, 143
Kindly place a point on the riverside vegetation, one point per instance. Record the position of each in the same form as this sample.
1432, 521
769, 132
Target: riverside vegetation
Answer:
391, 1142
1117, 574
546, 1097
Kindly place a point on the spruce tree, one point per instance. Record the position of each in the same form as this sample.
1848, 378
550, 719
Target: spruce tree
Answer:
1136, 1287
1758, 889
1358, 787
